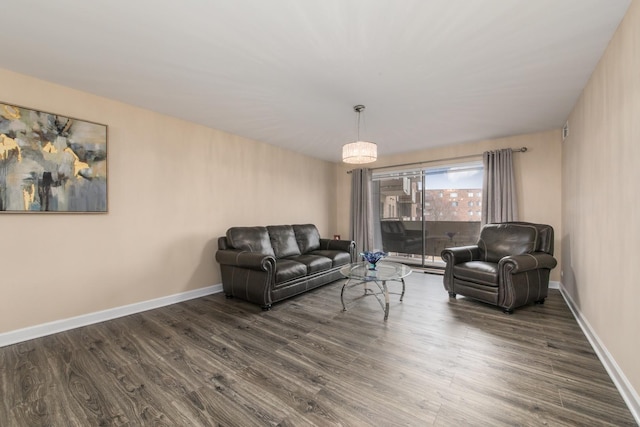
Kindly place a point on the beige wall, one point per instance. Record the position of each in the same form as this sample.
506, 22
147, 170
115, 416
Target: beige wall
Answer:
601, 172
173, 188
537, 172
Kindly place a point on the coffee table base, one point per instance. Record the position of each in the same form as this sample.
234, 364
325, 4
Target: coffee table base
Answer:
384, 290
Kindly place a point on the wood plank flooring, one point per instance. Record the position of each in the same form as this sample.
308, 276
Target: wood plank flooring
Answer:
218, 362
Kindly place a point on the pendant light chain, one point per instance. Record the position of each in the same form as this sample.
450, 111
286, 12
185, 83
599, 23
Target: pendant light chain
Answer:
358, 126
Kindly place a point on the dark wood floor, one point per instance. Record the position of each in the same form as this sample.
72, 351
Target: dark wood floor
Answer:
213, 361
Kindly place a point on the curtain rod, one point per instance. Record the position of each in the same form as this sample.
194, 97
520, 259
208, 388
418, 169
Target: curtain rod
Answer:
515, 150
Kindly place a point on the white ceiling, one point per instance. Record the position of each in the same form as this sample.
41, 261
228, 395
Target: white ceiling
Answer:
288, 72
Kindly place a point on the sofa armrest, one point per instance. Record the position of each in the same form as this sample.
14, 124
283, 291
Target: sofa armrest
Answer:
340, 245
457, 255
245, 259
520, 263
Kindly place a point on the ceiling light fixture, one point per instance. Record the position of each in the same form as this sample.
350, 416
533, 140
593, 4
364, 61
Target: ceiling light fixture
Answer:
360, 151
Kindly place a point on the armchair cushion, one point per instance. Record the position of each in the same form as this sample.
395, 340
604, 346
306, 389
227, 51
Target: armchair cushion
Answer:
477, 271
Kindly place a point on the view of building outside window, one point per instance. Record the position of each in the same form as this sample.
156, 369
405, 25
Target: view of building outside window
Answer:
454, 193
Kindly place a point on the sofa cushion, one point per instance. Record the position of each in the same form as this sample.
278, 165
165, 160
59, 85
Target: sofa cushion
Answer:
307, 236
337, 257
283, 240
287, 269
252, 239
314, 263
477, 271
500, 240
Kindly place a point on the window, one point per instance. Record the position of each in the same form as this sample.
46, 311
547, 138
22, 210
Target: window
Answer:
435, 201
391, 211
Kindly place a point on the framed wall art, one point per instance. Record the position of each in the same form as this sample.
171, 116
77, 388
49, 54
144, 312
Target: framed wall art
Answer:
51, 163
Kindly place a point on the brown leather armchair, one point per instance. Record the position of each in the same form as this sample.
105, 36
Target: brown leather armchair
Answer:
509, 266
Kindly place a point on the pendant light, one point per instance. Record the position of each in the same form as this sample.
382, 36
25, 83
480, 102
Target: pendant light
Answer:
360, 151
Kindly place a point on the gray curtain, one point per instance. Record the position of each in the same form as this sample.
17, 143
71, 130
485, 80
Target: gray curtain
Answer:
361, 226
499, 202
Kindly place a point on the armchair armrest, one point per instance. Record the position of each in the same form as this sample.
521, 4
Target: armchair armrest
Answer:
457, 255
245, 259
453, 256
521, 263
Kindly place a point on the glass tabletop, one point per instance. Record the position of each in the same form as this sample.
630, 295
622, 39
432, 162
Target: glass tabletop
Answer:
385, 270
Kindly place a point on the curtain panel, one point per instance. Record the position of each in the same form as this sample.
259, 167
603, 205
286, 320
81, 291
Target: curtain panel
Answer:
499, 201
361, 224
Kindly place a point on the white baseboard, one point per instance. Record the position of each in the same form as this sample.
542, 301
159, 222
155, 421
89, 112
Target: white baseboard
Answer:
44, 329
554, 285
621, 382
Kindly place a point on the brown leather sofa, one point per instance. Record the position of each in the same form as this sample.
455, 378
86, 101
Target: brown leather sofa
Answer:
264, 265
509, 266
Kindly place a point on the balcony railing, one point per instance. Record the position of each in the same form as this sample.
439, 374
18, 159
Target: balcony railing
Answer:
406, 237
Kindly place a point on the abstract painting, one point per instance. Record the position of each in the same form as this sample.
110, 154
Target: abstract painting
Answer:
51, 163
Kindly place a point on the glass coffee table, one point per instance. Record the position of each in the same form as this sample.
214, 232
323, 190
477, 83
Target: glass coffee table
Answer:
359, 273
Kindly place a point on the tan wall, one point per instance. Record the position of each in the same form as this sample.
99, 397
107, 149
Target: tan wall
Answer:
537, 172
173, 188
601, 203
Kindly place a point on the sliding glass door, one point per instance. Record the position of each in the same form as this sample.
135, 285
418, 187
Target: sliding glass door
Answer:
422, 211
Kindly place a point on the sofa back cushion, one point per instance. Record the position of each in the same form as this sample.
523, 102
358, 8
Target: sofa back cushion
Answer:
307, 236
283, 240
500, 240
252, 239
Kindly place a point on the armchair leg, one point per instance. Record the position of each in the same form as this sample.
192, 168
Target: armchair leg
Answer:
452, 294
228, 296
540, 301
507, 310
266, 307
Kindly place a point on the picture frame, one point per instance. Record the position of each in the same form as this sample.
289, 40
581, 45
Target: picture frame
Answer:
50, 163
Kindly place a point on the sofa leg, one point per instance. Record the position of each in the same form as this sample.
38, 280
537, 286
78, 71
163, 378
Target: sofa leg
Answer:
228, 296
507, 310
266, 307
540, 301
452, 294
